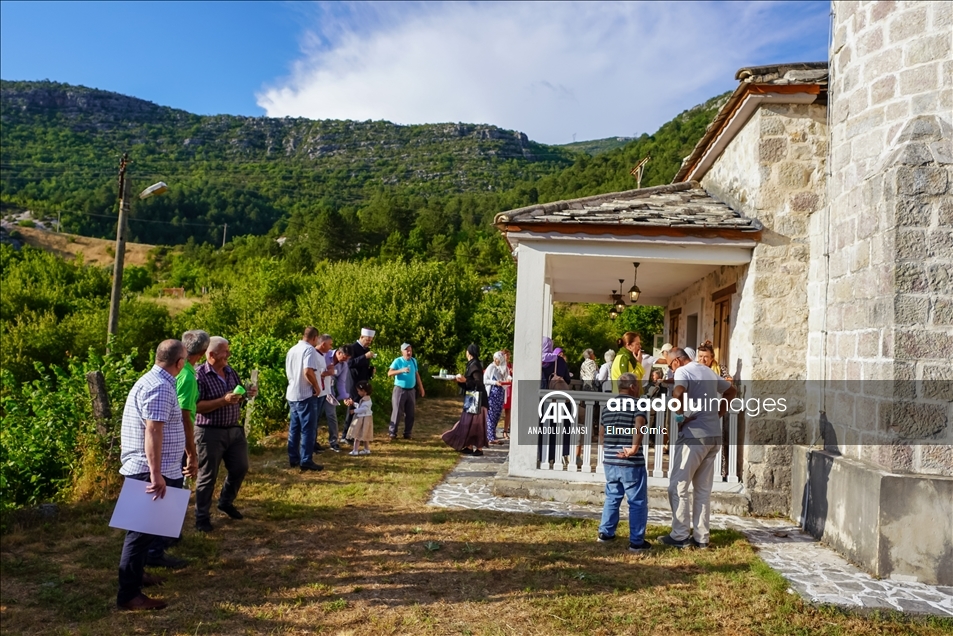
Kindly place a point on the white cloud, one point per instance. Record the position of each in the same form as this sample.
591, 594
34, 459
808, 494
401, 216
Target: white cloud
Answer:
550, 70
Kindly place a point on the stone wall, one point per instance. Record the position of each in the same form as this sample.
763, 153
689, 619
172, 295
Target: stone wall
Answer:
881, 278
774, 170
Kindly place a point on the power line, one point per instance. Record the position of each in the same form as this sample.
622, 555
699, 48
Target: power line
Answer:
109, 216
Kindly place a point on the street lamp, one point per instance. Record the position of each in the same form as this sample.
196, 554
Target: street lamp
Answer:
153, 190
116, 296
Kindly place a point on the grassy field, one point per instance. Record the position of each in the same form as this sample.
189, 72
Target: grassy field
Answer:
355, 550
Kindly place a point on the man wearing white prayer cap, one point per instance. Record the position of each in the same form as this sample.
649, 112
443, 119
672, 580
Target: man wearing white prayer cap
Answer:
360, 366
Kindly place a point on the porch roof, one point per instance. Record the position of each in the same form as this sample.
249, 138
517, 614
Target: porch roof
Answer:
679, 209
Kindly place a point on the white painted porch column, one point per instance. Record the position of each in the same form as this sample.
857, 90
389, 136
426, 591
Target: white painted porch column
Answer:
527, 353
547, 310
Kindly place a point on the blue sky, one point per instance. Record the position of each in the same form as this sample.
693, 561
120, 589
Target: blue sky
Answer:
554, 71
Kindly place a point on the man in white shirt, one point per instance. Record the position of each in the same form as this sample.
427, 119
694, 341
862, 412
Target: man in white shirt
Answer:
699, 440
302, 366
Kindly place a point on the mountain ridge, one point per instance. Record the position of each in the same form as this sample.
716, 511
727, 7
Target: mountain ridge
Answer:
423, 189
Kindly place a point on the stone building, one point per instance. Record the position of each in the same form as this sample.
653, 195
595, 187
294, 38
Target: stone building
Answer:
809, 235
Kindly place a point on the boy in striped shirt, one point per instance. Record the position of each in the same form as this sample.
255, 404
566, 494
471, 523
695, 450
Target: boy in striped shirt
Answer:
625, 470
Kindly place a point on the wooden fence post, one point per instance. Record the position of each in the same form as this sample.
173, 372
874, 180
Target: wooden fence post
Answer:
252, 381
102, 413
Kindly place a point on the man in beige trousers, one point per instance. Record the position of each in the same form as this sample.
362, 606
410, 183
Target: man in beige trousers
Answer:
699, 440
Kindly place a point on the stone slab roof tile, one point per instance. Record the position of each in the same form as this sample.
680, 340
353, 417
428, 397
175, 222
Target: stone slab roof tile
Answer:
684, 205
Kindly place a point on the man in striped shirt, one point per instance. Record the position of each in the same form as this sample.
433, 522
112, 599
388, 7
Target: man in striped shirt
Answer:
153, 442
624, 464
219, 434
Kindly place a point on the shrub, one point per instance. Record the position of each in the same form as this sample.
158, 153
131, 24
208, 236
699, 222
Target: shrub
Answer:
46, 430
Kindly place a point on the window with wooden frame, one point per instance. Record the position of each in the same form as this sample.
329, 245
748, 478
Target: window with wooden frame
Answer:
673, 318
722, 325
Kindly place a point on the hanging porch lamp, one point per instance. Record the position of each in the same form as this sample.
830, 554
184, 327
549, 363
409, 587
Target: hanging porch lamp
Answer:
619, 301
634, 291
613, 314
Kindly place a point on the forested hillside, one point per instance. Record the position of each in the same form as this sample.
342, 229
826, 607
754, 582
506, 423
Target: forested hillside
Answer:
336, 189
61, 145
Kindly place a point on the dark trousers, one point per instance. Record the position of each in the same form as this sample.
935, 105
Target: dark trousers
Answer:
403, 401
214, 446
135, 551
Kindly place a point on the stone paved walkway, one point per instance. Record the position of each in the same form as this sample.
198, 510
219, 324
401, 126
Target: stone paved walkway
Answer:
817, 573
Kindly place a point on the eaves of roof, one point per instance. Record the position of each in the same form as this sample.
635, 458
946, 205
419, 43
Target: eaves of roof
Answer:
777, 83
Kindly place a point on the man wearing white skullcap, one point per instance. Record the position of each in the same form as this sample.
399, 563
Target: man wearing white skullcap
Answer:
360, 366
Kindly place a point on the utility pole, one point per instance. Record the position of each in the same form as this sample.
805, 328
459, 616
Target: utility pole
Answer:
116, 295
224, 234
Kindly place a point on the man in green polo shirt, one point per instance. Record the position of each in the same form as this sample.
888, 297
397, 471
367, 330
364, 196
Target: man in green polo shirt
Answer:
187, 387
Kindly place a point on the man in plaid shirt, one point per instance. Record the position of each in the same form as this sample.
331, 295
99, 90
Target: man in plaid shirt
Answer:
153, 441
219, 435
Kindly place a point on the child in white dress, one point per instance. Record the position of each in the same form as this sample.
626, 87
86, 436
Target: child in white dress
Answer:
362, 424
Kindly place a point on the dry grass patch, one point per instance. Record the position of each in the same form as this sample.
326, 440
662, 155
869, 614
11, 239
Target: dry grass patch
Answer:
355, 550
173, 305
94, 251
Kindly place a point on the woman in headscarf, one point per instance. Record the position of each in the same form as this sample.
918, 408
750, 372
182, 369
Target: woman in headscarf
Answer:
589, 370
553, 365
468, 435
494, 379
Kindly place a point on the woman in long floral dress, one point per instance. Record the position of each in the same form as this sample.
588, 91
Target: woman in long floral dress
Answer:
494, 377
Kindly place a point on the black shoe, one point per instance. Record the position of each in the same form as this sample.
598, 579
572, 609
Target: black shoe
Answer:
407, 437
311, 466
674, 543
166, 561
605, 538
467, 451
318, 448
698, 545
392, 437
335, 448
231, 511
642, 548
203, 525
478, 453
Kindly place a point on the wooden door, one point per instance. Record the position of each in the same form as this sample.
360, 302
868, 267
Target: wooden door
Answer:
721, 332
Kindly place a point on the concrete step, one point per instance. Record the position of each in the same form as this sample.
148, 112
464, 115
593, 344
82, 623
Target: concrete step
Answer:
594, 493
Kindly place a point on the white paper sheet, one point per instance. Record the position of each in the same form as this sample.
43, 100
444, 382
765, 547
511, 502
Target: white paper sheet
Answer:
136, 510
